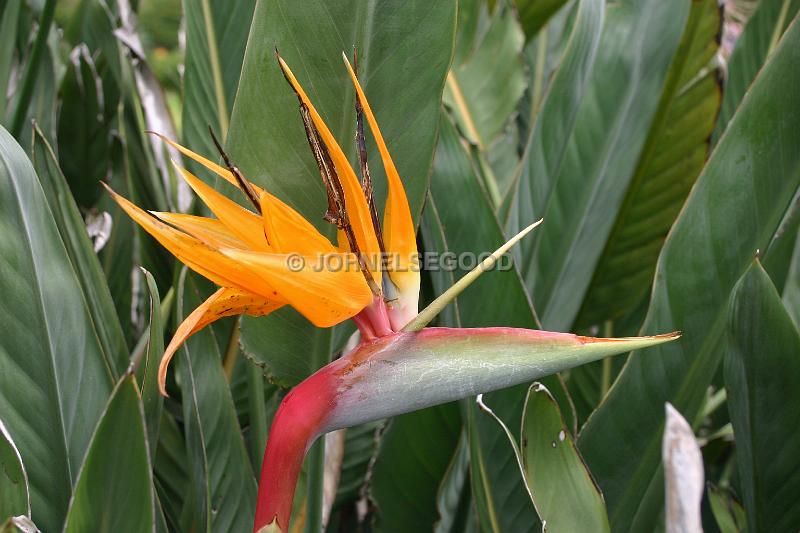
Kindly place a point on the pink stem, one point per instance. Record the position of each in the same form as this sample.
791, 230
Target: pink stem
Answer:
296, 425
364, 327
373, 321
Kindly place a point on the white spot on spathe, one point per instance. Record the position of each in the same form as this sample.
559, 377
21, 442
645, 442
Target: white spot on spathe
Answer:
553, 444
562, 435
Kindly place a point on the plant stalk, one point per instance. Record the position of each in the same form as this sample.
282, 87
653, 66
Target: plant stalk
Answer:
316, 475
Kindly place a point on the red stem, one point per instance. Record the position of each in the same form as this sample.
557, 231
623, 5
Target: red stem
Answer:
296, 426
298, 422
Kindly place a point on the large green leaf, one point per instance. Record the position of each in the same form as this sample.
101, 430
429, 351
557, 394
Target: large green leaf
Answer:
757, 41
595, 166
51, 361
414, 454
81, 254
545, 148
733, 210
404, 50
762, 368
114, 489
565, 494
15, 497
672, 157
216, 34
222, 479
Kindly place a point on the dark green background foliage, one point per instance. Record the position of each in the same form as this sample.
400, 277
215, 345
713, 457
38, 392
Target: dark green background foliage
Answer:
659, 140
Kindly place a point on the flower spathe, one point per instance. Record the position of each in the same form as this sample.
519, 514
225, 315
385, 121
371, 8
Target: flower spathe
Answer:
268, 258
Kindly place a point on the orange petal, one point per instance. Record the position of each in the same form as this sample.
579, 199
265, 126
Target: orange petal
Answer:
292, 232
243, 223
222, 172
325, 290
356, 204
398, 228
209, 230
225, 302
200, 257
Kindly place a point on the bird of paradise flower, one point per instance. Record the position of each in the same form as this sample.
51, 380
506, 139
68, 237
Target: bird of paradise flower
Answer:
268, 257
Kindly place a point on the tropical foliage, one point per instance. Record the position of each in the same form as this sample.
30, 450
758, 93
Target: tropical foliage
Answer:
658, 141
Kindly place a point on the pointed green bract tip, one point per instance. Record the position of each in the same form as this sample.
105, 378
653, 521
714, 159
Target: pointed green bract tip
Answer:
436, 306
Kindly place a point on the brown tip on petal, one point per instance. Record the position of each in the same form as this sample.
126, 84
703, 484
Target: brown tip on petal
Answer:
159, 135
111, 191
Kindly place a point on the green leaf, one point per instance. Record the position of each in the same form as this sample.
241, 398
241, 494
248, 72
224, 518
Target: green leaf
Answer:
733, 210
224, 489
545, 147
36, 74
501, 500
791, 290
454, 499
543, 55
93, 23
728, 512
758, 40
89, 100
9, 17
783, 249
595, 165
216, 34
152, 399
534, 14
671, 159
483, 89
565, 494
762, 368
263, 400
285, 346
413, 458
51, 361
114, 489
15, 498
171, 473
80, 250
